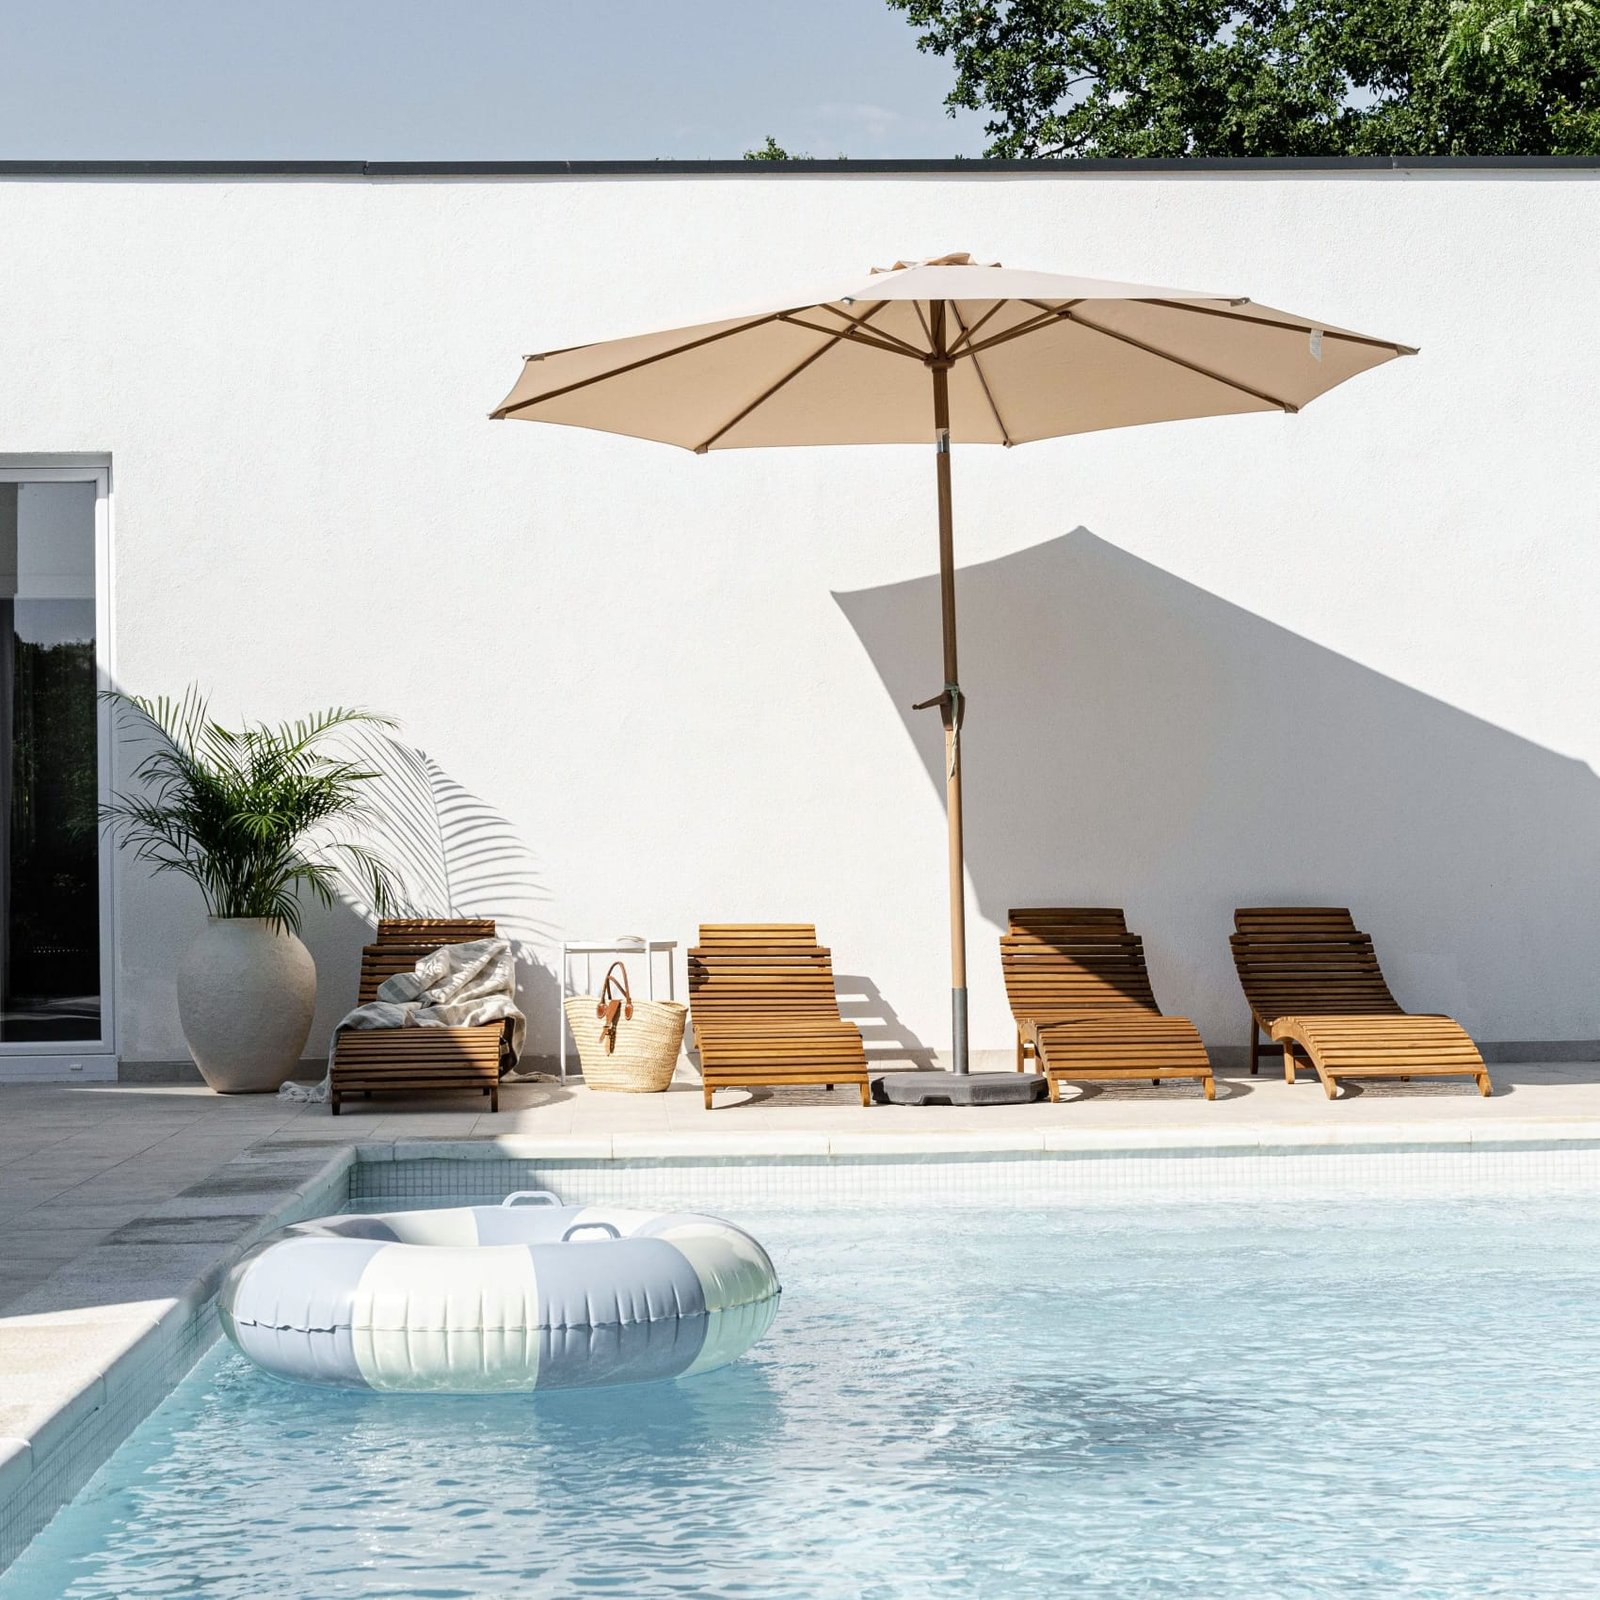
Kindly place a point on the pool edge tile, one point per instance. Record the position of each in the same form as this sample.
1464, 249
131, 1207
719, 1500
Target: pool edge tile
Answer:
925, 1146
16, 1466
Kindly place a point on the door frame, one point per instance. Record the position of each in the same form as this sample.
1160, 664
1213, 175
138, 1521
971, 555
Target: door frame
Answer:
81, 1059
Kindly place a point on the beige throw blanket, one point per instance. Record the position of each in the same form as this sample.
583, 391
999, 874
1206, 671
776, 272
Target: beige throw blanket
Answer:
456, 986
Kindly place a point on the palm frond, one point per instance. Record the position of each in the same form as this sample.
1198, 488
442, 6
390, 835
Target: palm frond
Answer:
252, 815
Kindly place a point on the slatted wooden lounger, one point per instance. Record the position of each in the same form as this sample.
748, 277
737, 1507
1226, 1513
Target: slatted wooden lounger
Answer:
1315, 987
1080, 993
416, 1060
765, 1013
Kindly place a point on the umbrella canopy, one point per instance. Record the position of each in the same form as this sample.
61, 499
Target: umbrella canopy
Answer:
1032, 355
939, 351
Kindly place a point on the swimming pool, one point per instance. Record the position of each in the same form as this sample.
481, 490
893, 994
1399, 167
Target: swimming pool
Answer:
1345, 1398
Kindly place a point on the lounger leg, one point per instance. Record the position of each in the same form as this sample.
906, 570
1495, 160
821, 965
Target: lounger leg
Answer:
1288, 1062
1255, 1047
1209, 1084
866, 1094
1055, 1090
1329, 1084
494, 1098
1021, 1053
1485, 1087
333, 1104
709, 1092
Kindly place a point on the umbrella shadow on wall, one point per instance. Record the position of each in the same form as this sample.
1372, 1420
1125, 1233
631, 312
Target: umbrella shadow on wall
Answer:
454, 854
1134, 740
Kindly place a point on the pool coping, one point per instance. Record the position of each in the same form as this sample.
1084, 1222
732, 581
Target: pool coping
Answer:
1531, 1134
101, 1367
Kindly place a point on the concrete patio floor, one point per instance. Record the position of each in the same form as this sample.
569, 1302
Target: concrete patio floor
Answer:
83, 1166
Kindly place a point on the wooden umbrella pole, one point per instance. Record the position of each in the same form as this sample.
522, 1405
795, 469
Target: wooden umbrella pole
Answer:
951, 706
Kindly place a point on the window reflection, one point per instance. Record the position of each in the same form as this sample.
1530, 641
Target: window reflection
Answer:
49, 783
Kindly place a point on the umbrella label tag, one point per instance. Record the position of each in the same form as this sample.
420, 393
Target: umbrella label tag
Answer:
942, 442
1316, 344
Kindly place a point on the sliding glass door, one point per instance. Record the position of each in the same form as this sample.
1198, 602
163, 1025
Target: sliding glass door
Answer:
55, 965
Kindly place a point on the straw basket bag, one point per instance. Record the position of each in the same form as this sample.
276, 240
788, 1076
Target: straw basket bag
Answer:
625, 1045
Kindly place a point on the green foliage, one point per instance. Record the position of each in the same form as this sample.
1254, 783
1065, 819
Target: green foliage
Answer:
771, 151
253, 817
1175, 78
1503, 30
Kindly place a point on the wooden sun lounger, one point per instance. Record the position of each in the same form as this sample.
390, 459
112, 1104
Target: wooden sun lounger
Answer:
762, 1000
416, 1060
1314, 986
1085, 1012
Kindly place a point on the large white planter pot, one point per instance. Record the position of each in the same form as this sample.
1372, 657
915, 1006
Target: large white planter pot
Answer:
246, 992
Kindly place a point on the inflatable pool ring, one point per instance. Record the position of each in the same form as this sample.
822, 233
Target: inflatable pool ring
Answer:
494, 1298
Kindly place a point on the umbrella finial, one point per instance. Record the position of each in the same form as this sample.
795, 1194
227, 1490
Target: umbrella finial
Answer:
956, 258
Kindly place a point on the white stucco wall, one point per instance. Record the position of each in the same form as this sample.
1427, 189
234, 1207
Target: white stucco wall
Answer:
1347, 656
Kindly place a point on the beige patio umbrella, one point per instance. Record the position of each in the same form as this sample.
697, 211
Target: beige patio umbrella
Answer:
936, 352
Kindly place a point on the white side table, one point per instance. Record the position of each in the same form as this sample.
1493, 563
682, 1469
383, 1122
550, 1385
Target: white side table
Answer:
589, 949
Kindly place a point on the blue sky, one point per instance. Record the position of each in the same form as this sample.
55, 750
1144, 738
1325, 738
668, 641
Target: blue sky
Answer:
458, 79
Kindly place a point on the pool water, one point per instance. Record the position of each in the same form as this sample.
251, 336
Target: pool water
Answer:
1260, 1400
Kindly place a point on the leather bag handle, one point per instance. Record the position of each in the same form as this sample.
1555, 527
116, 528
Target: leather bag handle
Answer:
611, 1007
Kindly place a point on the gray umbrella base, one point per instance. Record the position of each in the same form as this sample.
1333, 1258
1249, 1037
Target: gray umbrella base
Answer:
937, 1088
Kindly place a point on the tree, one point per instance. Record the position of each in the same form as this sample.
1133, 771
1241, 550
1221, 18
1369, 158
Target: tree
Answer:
1174, 78
770, 151
1502, 29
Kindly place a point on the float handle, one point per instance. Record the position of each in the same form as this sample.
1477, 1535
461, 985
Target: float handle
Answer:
585, 1227
541, 1197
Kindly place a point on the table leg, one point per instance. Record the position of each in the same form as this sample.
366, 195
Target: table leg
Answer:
561, 1014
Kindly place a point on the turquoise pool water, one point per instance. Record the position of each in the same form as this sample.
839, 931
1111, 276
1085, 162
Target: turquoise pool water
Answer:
1267, 1400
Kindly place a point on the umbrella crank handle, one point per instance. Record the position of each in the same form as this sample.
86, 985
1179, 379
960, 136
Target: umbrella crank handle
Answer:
951, 700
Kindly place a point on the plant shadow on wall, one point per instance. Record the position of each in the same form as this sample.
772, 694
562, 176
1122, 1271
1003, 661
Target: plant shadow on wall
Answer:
1134, 740
451, 853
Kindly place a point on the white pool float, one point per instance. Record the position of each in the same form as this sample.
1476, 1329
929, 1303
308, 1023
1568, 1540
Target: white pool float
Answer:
491, 1298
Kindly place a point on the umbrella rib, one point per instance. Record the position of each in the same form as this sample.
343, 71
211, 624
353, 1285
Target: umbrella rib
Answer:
1188, 366
877, 333
633, 366
1051, 314
834, 341
855, 336
999, 421
1284, 327
971, 333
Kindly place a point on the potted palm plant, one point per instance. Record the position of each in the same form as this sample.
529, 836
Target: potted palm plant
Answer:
256, 817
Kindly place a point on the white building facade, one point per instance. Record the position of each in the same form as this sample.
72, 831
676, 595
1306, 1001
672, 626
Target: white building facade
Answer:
1346, 657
